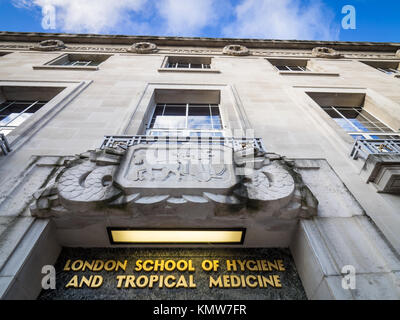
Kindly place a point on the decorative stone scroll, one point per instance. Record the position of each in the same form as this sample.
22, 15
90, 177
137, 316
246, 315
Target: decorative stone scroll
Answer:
161, 175
236, 50
49, 45
323, 52
143, 48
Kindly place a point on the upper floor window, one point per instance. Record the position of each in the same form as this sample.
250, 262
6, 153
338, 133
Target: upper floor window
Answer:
355, 113
291, 68
188, 65
388, 67
300, 65
359, 123
389, 70
187, 62
75, 61
186, 120
14, 113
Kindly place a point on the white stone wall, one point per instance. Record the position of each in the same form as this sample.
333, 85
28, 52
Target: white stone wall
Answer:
275, 105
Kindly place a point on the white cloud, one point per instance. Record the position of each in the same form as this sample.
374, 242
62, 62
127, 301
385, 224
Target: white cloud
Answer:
186, 17
88, 16
281, 19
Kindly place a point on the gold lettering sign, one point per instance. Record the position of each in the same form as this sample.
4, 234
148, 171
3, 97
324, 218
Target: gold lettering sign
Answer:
232, 278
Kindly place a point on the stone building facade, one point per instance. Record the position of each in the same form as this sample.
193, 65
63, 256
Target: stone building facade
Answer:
281, 144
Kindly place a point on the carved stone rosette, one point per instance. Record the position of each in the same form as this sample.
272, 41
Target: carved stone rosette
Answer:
49, 45
176, 180
143, 48
236, 50
323, 52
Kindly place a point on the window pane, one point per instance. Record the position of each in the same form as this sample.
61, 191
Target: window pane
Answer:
282, 68
332, 113
216, 118
13, 114
345, 124
295, 68
196, 65
348, 113
183, 65
199, 118
174, 117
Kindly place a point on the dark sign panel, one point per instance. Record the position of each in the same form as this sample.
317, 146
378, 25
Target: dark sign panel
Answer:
175, 274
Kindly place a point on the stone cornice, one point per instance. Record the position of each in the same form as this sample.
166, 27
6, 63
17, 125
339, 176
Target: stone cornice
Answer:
93, 39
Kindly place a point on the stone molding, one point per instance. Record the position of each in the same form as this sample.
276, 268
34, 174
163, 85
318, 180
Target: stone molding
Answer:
302, 54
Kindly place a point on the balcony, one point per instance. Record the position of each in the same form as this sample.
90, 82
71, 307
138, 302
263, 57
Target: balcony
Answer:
366, 147
236, 144
4, 146
381, 163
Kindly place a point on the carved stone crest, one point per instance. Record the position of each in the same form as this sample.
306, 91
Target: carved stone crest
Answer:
323, 52
144, 175
236, 50
49, 45
142, 47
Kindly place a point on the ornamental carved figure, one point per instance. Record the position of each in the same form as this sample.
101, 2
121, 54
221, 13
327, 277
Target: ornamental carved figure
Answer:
324, 52
49, 45
143, 177
398, 53
236, 50
143, 48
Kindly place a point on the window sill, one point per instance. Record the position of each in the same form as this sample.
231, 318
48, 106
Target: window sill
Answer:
87, 68
188, 70
308, 73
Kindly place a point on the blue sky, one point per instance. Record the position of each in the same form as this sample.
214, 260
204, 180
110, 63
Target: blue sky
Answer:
264, 19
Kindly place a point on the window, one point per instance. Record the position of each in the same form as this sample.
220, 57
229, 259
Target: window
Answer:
389, 70
75, 61
388, 67
14, 113
186, 120
300, 65
291, 68
356, 114
189, 65
79, 63
359, 123
185, 62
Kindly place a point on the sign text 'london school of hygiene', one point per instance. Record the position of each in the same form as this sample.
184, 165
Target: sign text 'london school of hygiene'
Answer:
259, 278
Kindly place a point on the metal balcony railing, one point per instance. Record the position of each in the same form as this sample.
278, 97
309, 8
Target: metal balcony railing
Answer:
371, 146
128, 141
4, 146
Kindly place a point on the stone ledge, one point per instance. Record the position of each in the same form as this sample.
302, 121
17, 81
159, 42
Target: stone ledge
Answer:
79, 68
308, 73
188, 70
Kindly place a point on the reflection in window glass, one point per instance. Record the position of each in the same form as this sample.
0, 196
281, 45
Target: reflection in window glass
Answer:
14, 113
189, 119
359, 123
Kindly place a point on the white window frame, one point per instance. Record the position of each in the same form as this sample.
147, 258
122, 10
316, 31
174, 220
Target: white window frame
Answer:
358, 131
185, 131
288, 68
175, 65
